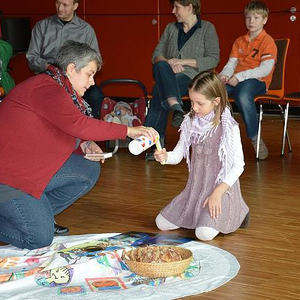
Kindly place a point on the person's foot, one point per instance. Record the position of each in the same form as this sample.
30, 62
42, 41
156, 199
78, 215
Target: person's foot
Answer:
263, 152
60, 230
149, 156
177, 119
246, 221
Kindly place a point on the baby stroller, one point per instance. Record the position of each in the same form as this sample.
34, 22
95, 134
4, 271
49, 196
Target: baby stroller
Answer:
123, 110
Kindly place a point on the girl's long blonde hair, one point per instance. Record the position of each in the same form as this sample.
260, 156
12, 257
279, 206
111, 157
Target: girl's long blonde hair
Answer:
209, 84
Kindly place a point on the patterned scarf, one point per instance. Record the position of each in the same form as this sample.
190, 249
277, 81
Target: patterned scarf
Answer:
197, 129
64, 82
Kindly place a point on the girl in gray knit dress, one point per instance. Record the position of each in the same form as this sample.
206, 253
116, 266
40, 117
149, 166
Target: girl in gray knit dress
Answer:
210, 142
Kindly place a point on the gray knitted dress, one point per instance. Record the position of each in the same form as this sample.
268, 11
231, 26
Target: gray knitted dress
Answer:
186, 210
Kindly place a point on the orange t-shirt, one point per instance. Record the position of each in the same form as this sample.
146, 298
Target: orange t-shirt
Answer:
250, 54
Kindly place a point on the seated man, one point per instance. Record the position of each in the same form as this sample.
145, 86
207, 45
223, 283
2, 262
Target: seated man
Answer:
250, 67
48, 35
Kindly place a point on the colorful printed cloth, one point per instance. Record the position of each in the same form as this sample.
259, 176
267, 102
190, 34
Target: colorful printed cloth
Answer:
90, 267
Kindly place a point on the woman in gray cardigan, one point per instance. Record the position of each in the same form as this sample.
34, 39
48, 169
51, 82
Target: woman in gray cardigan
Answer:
186, 48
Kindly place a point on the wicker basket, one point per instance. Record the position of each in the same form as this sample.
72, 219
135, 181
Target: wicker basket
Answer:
164, 269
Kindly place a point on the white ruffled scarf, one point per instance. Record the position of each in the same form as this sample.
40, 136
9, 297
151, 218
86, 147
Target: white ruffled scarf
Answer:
195, 130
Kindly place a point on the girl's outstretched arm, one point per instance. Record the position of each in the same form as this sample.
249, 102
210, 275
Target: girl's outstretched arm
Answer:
174, 157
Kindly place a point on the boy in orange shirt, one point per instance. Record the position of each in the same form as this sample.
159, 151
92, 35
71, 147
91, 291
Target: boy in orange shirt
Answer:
250, 67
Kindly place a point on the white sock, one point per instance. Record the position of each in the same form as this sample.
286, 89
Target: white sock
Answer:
206, 233
163, 224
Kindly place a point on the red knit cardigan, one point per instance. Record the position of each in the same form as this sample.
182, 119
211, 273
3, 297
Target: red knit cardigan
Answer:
39, 125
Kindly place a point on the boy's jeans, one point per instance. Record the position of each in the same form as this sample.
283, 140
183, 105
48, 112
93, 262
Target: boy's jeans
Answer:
244, 93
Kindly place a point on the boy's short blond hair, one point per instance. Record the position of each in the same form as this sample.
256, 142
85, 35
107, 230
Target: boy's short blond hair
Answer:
258, 7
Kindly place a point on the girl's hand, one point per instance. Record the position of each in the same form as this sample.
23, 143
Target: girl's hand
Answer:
214, 205
161, 156
214, 201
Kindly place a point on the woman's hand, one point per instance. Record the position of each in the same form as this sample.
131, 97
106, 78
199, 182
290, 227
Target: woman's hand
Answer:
214, 200
136, 131
90, 147
161, 155
176, 65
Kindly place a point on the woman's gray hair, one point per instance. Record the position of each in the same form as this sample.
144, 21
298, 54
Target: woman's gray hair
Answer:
79, 54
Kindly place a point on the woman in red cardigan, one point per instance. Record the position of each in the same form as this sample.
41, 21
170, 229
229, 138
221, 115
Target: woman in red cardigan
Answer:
45, 128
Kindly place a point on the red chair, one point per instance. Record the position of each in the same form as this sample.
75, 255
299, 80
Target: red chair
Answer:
275, 93
292, 99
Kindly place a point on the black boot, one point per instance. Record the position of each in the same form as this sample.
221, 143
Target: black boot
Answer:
60, 230
150, 154
177, 119
178, 115
246, 221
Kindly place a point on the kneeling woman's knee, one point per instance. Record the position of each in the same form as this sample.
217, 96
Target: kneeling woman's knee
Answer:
39, 238
91, 173
206, 233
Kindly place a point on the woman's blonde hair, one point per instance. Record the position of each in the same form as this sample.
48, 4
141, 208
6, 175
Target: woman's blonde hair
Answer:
209, 84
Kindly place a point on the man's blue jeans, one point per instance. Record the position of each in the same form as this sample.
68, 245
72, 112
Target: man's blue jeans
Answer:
27, 222
167, 84
244, 93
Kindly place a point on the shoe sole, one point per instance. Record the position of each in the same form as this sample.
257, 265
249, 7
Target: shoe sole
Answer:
246, 222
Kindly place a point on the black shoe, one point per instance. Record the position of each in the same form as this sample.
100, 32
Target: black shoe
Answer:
177, 119
149, 156
246, 221
60, 230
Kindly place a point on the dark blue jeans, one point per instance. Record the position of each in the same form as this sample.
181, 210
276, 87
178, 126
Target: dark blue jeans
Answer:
244, 93
94, 96
167, 84
27, 222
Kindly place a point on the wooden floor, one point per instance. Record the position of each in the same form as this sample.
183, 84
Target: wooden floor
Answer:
131, 192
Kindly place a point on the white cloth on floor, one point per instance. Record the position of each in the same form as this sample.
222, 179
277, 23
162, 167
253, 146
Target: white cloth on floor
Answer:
74, 273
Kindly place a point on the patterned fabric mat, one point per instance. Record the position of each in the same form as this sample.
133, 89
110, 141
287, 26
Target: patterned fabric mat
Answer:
90, 267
